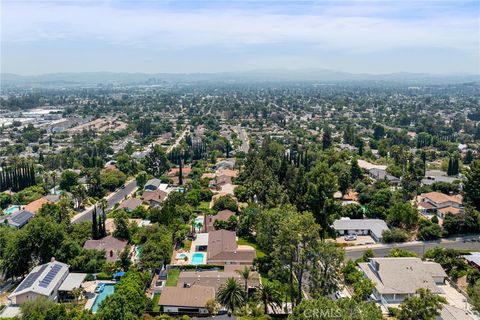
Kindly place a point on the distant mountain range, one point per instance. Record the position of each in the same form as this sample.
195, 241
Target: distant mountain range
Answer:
319, 75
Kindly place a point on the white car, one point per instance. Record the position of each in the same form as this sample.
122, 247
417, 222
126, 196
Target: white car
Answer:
340, 295
350, 237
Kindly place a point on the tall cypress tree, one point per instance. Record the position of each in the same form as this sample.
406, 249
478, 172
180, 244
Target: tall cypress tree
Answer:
450, 166
94, 223
180, 174
104, 218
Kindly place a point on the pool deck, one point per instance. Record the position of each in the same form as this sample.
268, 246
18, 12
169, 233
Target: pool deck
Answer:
201, 240
90, 295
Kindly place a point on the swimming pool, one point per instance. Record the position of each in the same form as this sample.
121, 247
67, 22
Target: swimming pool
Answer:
12, 209
197, 258
108, 290
138, 251
181, 256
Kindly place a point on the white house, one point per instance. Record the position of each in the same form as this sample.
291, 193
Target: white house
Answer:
43, 281
361, 227
396, 278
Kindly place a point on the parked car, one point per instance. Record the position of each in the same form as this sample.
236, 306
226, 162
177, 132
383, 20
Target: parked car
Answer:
350, 237
340, 295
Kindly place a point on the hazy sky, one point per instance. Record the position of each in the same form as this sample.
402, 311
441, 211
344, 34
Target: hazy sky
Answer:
382, 36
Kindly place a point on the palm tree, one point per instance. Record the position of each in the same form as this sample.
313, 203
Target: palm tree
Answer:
246, 275
54, 178
230, 295
77, 293
270, 296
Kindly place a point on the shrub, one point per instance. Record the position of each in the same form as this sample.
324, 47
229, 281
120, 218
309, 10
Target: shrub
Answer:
395, 235
104, 276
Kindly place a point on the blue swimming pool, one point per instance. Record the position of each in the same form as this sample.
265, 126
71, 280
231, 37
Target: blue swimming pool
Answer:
108, 290
138, 251
197, 258
12, 209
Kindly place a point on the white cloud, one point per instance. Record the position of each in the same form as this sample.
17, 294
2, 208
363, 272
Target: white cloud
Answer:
158, 28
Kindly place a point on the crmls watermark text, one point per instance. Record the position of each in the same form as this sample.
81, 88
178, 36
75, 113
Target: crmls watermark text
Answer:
322, 313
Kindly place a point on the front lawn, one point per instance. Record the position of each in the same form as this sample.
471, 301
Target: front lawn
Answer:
172, 277
155, 306
245, 242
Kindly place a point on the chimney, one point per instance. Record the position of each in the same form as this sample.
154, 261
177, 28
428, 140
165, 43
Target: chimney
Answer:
52, 259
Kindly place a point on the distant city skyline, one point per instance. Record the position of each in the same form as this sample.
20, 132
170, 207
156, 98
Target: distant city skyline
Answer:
375, 36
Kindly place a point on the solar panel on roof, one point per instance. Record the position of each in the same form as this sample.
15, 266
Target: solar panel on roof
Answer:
50, 276
31, 279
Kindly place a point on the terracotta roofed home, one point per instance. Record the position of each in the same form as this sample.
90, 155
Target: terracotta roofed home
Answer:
439, 203
36, 205
223, 249
223, 215
112, 246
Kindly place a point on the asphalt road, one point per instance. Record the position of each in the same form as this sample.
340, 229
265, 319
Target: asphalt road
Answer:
112, 200
418, 247
242, 134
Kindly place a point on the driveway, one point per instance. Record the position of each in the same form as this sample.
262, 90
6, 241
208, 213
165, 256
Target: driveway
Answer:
454, 298
361, 240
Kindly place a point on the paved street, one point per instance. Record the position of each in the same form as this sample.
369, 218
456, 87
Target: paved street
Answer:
112, 199
418, 247
179, 139
120, 194
242, 134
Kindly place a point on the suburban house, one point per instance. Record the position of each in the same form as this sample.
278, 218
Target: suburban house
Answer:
223, 215
219, 181
130, 204
72, 281
112, 246
43, 281
225, 164
350, 197
382, 175
186, 299
473, 259
52, 198
223, 249
215, 279
227, 172
361, 227
17, 219
396, 278
449, 312
174, 172
36, 205
154, 198
152, 184
439, 204
434, 176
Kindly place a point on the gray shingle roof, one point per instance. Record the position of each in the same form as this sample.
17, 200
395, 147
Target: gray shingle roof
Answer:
402, 275
17, 219
153, 182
